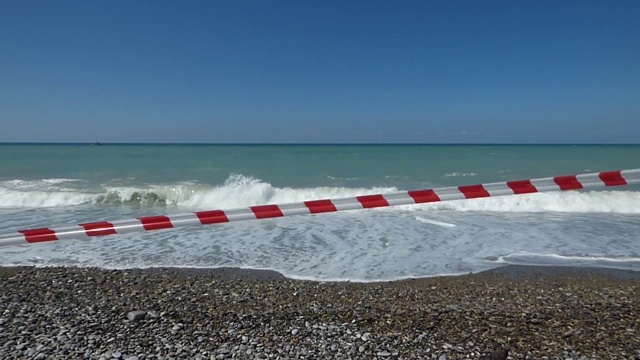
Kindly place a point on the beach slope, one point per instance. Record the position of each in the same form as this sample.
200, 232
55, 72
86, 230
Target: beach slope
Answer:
533, 312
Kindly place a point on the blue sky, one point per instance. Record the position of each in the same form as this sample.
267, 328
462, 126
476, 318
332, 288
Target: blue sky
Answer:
320, 71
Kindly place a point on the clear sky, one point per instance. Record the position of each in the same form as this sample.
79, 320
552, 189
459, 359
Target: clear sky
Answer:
320, 71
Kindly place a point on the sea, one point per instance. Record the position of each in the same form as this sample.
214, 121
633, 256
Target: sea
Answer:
54, 185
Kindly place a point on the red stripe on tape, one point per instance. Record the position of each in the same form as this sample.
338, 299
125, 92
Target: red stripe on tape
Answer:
522, 187
612, 178
569, 182
266, 211
473, 191
320, 206
424, 196
212, 217
39, 235
372, 201
98, 228
156, 222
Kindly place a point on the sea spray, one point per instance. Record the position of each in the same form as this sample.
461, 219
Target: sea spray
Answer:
240, 191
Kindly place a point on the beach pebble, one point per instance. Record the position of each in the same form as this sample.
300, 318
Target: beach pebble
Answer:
152, 315
136, 315
402, 319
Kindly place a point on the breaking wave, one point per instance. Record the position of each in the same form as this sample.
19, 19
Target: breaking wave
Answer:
240, 191
458, 174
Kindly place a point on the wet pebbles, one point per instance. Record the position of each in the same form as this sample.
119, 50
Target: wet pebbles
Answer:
512, 313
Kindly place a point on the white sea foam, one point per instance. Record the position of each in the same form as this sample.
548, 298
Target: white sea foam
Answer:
460, 174
42, 184
435, 222
241, 191
10, 198
528, 258
354, 246
595, 228
339, 178
58, 181
618, 202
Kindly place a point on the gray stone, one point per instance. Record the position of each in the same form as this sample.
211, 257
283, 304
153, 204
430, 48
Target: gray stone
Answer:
153, 315
383, 354
136, 315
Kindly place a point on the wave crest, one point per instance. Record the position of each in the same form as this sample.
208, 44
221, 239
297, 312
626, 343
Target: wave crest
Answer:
240, 191
237, 191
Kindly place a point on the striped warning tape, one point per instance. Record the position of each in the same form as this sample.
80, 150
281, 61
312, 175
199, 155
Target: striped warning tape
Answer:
149, 223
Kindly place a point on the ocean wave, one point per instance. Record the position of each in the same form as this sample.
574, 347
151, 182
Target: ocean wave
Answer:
620, 202
29, 199
237, 191
240, 191
340, 178
527, 258
458, 174
42, 184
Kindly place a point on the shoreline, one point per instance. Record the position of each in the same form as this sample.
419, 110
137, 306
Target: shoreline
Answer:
516, 273
512, 272
184, 313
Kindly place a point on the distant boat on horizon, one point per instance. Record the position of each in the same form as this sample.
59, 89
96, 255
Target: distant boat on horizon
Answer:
97, 143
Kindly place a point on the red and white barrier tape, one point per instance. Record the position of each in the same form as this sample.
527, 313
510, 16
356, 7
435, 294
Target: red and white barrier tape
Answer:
101, 228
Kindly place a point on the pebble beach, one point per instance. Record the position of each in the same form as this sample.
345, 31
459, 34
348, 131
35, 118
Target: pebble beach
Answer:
513, 312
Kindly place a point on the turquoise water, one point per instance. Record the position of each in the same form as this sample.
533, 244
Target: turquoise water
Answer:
53, 185
306, 165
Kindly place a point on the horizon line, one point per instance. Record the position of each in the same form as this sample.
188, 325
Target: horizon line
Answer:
97, 143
